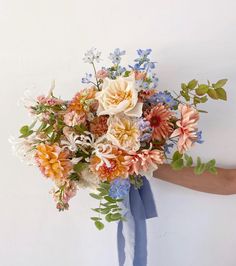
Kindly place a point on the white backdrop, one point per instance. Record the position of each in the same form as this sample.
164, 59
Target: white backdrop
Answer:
44, 40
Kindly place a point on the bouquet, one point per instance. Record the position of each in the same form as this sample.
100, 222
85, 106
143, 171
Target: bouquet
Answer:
114, 132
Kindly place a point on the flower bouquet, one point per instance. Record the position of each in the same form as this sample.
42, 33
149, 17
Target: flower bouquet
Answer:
115, 132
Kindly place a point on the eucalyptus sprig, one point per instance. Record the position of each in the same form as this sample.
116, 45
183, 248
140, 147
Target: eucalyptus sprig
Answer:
179, 161
108, 207
196, 93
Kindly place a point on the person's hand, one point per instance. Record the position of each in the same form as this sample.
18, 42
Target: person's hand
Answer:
224, 182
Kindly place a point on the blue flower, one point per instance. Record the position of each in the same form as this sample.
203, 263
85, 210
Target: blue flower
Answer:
199, 137
144, 53
163, 97
145, 130
167, 147
116, 56
87, 78
119, 188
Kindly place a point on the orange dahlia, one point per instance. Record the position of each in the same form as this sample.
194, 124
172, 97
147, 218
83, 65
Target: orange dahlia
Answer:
187, 127
113, 169
159, 118
83, 101
144, 161
52, 161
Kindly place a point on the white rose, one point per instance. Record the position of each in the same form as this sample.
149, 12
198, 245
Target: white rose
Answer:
123, 132
117, 96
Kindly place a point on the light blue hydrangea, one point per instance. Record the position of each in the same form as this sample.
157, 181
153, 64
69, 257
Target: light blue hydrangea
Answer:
116, 56
119, 188
143, 61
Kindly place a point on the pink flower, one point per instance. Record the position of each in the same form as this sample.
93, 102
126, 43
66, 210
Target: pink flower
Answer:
187, 127
159, 118
102, 74
72, 118
144, 162
49, 100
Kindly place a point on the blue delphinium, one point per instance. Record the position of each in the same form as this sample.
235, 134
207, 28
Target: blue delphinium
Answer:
119, 188
145, 130
143, 61
199, 137
163, 97
87, 78
116, 56
167, 147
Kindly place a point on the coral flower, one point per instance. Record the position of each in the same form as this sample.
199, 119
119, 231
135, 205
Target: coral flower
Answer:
159, 118
187, 127
98, 126
114, 168
52, 161
144, 162
83, 101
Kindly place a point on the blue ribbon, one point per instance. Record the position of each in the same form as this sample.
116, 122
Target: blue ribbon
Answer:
132, 234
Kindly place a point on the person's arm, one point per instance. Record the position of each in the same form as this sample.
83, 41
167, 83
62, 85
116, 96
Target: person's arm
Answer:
224, 183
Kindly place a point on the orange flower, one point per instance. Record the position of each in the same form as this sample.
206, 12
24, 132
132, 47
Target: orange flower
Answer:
187, 127
52, 161
83, 101
115, 169
98, 126
159, 118
144, 162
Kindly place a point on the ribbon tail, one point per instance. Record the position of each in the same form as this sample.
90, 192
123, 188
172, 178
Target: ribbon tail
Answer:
132, 234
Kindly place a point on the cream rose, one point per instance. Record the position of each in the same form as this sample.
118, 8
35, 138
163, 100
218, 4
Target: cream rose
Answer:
123, 132
119, 96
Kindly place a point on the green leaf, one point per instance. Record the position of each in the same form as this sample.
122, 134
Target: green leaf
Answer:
183, 86
202, 111
213, 171
202, 89
24, 130
79, 167
185, 95
177, 156
188, 160
211, 164
178, 164
221, 93
204, 99
96, 218
99, 225
105, 185
220, 83
196, 100
198, 170
116, 216
108, 198
95, 196
108, 218
213, 94
192, 84
49, 130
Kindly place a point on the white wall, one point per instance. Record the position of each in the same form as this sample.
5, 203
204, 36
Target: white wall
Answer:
44, 40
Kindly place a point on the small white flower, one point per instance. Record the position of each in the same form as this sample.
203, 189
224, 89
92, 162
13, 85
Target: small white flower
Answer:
92, 55
24, 149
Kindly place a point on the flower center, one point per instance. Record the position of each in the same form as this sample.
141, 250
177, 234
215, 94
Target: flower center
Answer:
155, 121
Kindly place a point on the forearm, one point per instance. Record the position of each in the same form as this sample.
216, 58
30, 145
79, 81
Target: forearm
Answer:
223, 183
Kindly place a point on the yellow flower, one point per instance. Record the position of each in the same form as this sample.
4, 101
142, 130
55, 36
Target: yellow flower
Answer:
123, 132
119, 96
